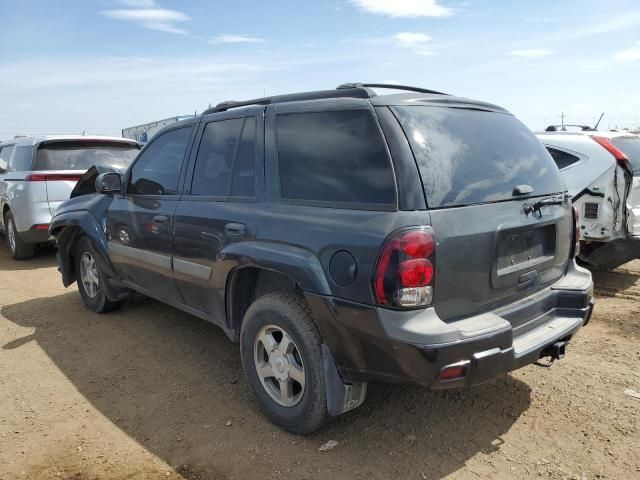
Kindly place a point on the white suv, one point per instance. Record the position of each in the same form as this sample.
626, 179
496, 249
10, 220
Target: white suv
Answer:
602, 173
39, 173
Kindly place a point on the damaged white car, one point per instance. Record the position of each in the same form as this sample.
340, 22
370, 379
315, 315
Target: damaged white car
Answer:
602, 173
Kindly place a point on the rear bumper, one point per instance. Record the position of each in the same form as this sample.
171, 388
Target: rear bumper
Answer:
33, 236
370, 343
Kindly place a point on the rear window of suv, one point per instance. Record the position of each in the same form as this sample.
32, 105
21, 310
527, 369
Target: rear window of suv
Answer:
83, 155
474, 156
630, 146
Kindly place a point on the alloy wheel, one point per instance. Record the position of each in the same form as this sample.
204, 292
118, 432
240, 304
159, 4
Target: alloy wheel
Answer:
11, 235
279, 365
89, 274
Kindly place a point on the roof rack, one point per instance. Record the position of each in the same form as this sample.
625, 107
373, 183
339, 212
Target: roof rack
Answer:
346, 90
563, 128
389, 86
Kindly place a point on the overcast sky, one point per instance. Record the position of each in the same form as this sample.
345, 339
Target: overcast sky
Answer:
99, 66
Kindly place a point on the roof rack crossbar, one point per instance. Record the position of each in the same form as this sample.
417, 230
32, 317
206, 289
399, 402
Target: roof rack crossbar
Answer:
389, 86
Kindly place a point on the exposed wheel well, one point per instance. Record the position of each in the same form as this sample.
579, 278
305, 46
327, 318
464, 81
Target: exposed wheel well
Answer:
246, 285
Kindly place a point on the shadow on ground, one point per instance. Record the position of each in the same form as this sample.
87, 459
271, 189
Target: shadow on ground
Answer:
172, 382
45, 257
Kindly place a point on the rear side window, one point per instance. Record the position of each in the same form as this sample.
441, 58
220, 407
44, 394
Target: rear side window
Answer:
83, 155
630, 146
5, 156
472, 156
22, 159
226, 159
157, 170
562, 159
337, 156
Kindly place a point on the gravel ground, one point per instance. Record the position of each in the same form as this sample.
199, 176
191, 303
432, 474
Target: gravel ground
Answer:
150, 392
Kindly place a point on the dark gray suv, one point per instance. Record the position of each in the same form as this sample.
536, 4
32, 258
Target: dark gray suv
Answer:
341, 237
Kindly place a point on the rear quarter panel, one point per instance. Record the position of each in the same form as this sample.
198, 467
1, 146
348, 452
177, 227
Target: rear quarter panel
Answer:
26, 200
325, 231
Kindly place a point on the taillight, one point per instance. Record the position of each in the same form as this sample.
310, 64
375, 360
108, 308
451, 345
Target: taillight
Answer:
618, 154
576, 232
52, 177
404, 272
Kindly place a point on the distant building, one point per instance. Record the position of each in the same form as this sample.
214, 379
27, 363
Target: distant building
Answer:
143, 133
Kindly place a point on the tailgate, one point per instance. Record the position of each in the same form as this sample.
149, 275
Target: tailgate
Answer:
492, 254
479, 170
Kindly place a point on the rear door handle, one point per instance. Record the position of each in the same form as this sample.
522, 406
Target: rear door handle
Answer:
235, 229
159, 219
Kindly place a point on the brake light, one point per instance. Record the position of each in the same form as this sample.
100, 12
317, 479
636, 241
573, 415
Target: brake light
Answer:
404, 272
576, 232
618, 154
52, 177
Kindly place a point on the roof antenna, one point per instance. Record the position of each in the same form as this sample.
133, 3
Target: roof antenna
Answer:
598, 122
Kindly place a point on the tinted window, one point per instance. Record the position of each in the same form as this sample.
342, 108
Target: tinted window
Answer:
243, 183
5, 155
562, 159
226, 159
22, 159
630, 146
157, 170
333, 157
472, 156
83, 155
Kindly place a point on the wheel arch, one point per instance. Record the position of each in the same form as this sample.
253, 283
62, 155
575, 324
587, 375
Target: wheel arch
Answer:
258, 269
68, 228
5, 208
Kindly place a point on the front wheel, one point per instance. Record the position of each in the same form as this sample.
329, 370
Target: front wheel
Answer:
281, 355
91, 280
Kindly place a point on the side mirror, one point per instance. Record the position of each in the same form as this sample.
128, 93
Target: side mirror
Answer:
110, 182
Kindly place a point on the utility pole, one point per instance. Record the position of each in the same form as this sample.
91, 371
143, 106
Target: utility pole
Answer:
562, 120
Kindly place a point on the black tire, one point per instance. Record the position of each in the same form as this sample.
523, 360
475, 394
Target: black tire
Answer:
290, 313
96, 301
17, 248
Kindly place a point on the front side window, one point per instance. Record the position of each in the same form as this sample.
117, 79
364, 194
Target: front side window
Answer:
334, 156
226, 159
562, 159
157, 170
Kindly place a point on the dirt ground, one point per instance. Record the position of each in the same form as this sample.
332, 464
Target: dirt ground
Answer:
150, 392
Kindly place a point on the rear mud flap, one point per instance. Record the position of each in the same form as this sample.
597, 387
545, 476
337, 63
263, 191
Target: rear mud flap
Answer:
341, 397
613, 254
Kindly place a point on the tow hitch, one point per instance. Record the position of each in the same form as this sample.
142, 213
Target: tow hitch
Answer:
553, 352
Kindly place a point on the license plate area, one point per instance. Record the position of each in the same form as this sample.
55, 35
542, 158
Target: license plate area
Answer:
525, 248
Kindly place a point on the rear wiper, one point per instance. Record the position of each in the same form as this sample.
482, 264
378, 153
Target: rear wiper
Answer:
537, 206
